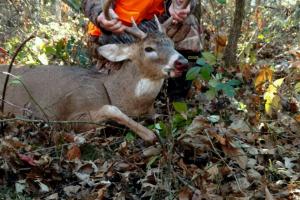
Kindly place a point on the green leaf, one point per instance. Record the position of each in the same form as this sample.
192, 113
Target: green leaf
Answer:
193, 73
209, 58
222, 1
178, 121
234, 82
152, 161
15, 82
180, 107
220, 86
200, 61
260, 36
211, 93
74, 4
297, 88
130, 136
213, 83
50, 50
228, 90
219, 76
206, 72
161, 129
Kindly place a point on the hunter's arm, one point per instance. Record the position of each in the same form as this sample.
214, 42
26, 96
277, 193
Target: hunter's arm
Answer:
93, 8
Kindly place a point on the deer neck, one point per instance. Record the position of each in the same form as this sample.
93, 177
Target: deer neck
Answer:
132, 90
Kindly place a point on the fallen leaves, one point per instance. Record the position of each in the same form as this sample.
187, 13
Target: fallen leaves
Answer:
265, 74
74, 153
231, 149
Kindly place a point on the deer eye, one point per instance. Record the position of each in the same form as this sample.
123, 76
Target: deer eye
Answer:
149, 49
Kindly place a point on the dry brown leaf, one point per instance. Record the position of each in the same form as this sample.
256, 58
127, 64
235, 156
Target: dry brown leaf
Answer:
254, 117
185, 194
213, 171
73, 153
221, 41
101, 193
295, 65
246, 71
269, 196
69, 137
265, 74
297, 118
235, 153
71, 190
259, 19
182, 165
218, 137
14, 143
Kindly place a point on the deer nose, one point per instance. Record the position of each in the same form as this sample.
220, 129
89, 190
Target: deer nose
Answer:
181, 63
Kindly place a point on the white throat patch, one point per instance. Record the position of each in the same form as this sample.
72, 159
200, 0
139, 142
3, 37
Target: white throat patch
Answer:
170, 64
147, 86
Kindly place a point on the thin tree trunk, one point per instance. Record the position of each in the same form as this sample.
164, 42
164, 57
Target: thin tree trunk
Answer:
36, 11
235, 32
58, 10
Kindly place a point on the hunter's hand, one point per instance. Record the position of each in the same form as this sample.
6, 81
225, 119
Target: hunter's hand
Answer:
179, 14
113, 25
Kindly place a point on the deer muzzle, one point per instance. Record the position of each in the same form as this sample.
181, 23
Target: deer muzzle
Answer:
180, 66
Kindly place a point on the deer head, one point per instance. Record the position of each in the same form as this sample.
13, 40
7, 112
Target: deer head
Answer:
153, 53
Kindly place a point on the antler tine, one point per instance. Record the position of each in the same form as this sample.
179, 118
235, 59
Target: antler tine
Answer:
105, 7
134, 30
160, 28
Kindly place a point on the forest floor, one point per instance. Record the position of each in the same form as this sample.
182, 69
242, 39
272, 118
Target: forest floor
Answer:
223, 148
235, 137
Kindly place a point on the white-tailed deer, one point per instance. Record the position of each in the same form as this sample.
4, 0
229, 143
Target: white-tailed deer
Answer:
74, 93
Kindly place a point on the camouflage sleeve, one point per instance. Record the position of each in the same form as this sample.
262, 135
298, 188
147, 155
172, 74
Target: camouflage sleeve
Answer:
168, 4
193, 5
92, 9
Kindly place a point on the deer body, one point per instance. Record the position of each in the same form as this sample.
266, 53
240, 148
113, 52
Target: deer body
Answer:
74, 93
78, 94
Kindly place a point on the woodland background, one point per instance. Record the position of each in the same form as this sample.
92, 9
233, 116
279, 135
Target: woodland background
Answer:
237, 135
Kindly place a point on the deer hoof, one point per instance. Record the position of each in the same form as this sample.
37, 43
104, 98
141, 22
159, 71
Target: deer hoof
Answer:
150, 137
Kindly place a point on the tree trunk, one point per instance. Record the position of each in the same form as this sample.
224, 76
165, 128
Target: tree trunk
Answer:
36, 7
235, 32
58, 10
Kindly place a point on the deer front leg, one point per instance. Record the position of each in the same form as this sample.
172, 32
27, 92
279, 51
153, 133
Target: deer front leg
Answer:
109, 112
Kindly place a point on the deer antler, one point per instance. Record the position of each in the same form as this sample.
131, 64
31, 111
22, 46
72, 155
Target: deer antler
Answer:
134, 30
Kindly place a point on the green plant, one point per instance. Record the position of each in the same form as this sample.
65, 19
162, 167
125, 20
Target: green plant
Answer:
216, 83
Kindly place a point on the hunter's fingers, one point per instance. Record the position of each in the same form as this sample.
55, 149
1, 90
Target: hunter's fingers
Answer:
117, 28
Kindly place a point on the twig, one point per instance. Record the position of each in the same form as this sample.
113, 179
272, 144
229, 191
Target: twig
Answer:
185, 182
49, 122
249, 42
215, 150
10, 68
16, 106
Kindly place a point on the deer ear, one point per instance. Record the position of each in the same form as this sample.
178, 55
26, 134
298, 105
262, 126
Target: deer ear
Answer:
114, 52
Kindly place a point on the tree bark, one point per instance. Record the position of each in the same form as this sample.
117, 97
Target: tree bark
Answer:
235, 32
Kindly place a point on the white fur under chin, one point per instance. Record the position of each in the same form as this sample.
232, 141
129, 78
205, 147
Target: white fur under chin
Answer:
170, 65
146, 86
